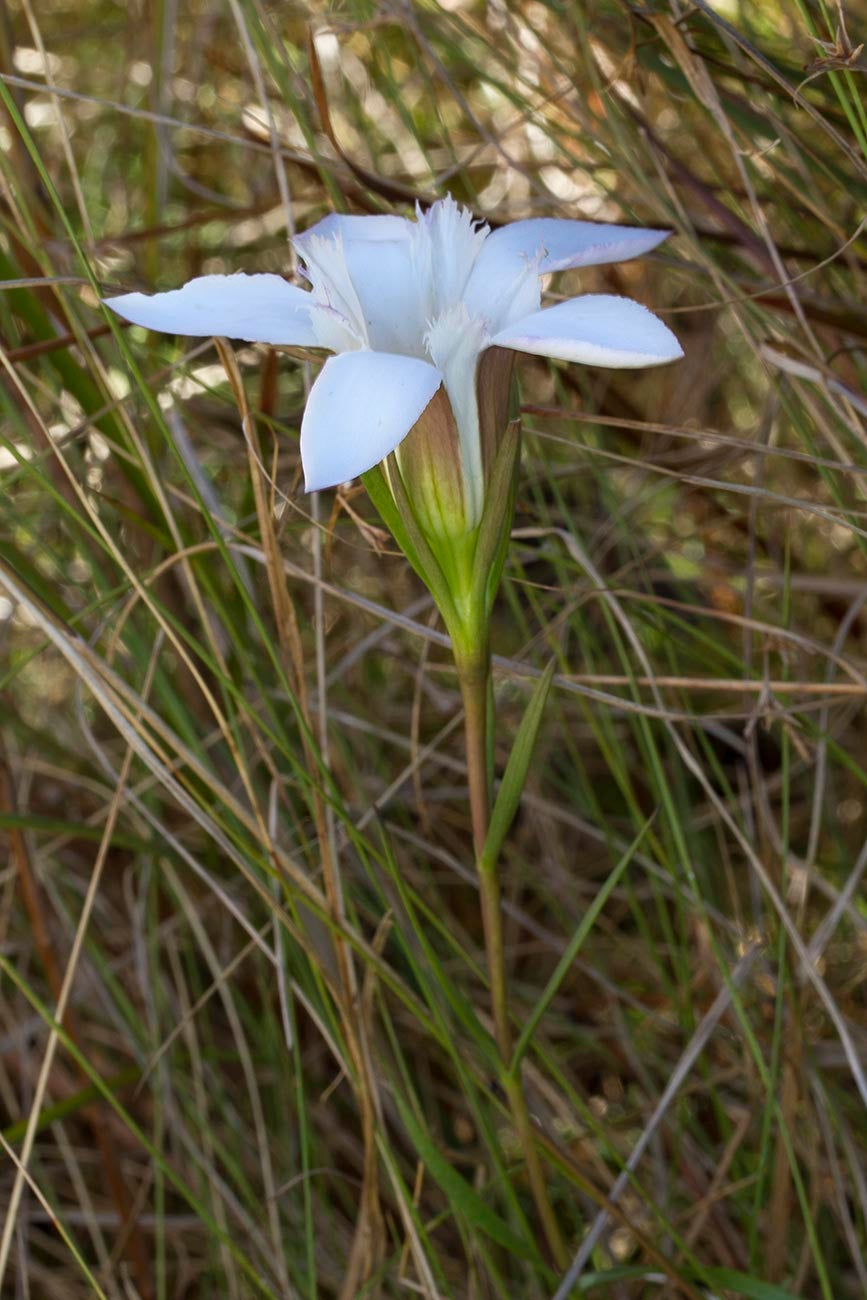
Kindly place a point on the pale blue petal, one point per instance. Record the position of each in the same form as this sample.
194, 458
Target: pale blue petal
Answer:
361, 407
256, 308
596, 329
351, 229
392, 296
566, 244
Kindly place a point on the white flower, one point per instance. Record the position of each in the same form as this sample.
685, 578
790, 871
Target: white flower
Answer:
410, 306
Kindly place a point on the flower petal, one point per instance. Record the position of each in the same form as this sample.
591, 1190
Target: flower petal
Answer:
566, 243
362, 405
394, 304
447, 241
455, 342
356, 229
331, 285
256, 308
503, 287
597, 329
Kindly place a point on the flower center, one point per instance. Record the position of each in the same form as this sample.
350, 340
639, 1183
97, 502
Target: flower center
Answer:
437, 291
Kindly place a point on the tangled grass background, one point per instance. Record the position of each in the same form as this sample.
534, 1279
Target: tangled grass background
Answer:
212, 684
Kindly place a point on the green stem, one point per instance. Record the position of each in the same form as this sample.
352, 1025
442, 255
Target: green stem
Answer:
474, 673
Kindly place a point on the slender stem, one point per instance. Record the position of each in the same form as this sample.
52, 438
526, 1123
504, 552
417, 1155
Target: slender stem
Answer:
474, 675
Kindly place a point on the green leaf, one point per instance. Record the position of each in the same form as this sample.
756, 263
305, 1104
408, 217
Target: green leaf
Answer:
515, 775
46, 589
574, 947
750, 1287
609, 1276
43, 825
443, 987
72, 1104
462, 1196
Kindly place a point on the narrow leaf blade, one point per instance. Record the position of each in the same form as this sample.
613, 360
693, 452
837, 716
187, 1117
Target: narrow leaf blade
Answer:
462, 1196
751, 1288
515, 775
574, 947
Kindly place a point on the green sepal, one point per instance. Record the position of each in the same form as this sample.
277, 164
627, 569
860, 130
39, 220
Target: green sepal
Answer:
463, 572
496, 526
379, 492
396, 513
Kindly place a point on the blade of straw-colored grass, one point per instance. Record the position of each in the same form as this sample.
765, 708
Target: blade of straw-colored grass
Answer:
204, 1105
223, 988
369, 1232
55, 1220
63, 997
177, 1182
157, 119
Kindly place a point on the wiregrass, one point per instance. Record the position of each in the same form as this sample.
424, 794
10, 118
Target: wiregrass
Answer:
222, 701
